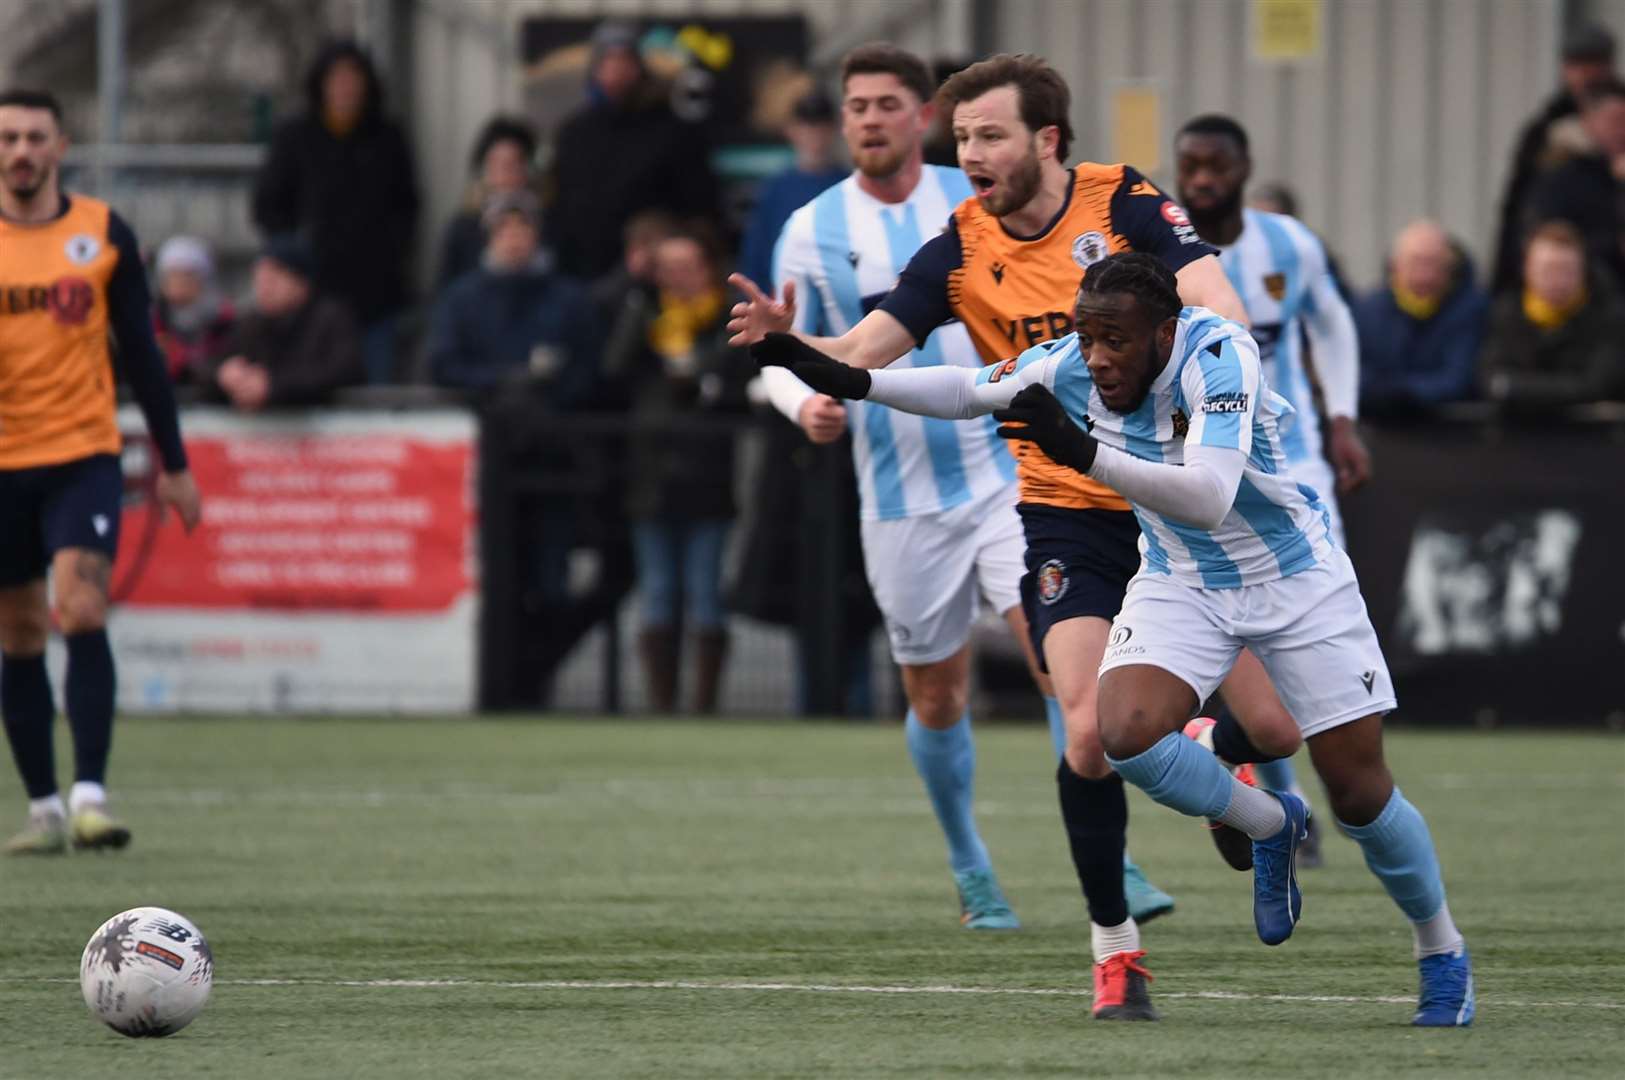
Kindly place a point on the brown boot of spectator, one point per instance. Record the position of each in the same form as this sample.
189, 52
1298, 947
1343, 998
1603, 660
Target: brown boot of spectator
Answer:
658, 647
710, 653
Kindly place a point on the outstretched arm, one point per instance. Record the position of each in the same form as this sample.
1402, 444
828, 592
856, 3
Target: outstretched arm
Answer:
1200, 492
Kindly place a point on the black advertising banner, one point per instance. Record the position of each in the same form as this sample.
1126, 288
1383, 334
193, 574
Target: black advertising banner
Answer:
1490, 555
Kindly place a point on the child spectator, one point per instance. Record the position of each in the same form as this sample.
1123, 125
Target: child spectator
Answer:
190, 316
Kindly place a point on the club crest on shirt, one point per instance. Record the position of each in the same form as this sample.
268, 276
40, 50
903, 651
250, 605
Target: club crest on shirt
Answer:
1182, 423
82, 248
1052, 581
1089, 248
1275, 285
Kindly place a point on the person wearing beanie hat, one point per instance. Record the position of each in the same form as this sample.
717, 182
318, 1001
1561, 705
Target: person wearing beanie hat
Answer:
622, 152
502, 162
810, 131
1586, 61
191, 318
295, 346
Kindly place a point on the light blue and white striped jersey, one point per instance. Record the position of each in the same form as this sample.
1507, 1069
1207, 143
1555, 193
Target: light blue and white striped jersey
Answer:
1211, 393
1279, 269
844, 251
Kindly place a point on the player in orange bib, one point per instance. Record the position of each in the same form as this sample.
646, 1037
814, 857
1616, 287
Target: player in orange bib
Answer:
1007, 266
71, 283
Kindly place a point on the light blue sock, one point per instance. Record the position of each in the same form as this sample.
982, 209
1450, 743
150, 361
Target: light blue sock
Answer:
1057, 726
1275, 775
1399, 850
946, 761
1178, 773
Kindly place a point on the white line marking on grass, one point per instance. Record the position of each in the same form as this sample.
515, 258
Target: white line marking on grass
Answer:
842, 988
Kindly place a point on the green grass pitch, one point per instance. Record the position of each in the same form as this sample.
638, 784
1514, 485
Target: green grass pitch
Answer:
615, 899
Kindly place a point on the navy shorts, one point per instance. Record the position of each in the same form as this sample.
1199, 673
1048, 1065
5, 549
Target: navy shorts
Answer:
1079, 563
51, 507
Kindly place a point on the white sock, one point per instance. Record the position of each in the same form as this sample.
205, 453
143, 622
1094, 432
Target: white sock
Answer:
1256, 813
86, 791
1106, 940
51, 804
1437, 935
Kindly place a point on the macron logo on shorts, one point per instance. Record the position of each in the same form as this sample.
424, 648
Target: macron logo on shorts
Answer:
100, 523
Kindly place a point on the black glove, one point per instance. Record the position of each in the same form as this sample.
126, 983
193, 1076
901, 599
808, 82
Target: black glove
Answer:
1044, 421
823, 373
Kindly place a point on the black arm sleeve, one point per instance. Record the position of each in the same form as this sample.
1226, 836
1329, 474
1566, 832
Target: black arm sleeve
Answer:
1152, 222
129, 312
919, 300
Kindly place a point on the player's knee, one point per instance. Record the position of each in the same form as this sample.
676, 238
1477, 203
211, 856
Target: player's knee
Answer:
1127, 730
24, 635
1277, 735
1357, 790
1086, 756
938, 703
80, 610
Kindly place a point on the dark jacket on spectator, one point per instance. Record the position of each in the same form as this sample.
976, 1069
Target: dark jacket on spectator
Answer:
1584, 193
1507, 271
191, 350
1409, 364
677, 473
611, 162
1578, 362
461, 247
308, 354
352, 197
533, 327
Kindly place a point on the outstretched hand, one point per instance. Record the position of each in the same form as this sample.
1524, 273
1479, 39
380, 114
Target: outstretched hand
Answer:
824, 374
758, 315
1037, 416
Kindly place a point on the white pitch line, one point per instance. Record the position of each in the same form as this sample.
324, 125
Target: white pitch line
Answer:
841, 988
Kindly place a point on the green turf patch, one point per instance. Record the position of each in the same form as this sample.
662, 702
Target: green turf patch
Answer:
616, 899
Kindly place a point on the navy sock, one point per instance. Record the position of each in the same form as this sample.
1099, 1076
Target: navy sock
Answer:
25, 702
1095, 813
89, 698
1230, 742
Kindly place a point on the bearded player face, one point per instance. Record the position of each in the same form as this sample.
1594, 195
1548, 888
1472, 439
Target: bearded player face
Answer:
999, 153
884, 123
31, 146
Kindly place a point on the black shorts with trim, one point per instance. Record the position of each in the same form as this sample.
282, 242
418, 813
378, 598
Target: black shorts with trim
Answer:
50, 507
1079, 563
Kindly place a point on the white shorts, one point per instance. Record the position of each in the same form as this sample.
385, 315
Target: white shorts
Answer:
927, 570
1310, 631
1319, 474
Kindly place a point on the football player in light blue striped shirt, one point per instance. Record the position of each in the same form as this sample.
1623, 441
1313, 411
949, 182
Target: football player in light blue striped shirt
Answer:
1169, 406
1282, 274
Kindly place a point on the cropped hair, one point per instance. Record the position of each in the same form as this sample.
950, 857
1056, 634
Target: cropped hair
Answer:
1145, 277
1041, 93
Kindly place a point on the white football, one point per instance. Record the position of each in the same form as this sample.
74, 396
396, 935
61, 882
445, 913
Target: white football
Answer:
146, 972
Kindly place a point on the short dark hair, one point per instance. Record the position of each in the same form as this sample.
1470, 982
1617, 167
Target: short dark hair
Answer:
23, 98
1145, 277
1041, 93
1216, 124
881, 58
1600, 91
501, 129
1588, 43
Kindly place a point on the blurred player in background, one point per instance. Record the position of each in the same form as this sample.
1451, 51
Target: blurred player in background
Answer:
937, 498
1168, 405
1281, 272
71, 285
1007, 269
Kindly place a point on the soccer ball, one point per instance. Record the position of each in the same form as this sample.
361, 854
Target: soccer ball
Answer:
146, 972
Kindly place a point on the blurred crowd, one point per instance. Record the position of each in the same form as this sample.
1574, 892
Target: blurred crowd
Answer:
596, 284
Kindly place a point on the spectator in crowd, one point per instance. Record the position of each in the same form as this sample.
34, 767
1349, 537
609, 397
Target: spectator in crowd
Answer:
624, 151
1587, 59
1419, 333
681, 500
512, 320
1273, 198
502, 164
191, 318
811, 134
340, 175
622, 297
1586, 190
1558, 343
294, 346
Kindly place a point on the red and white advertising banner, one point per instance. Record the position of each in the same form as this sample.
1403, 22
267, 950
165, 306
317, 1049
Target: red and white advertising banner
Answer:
335, 568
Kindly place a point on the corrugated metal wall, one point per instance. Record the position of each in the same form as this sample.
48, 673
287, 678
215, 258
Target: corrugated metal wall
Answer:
1411, 108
